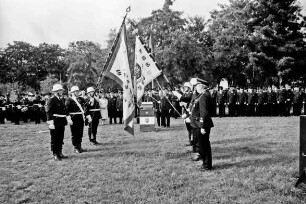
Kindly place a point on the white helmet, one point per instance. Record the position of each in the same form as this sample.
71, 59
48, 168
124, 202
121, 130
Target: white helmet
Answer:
90, 89
194, 81
74, 88
57, 87
188, 84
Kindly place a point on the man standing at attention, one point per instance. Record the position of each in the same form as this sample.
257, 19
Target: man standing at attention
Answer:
92, 109
56, 118
75, 118
201, 122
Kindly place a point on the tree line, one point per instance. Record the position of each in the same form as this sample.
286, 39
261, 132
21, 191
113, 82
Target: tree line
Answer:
248, 42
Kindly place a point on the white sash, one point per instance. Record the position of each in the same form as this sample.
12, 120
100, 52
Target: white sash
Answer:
79, 105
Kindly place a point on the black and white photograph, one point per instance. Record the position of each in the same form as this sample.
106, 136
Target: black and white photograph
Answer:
153, 101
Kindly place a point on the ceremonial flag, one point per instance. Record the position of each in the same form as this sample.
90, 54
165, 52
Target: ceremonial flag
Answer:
118, 69
145, 68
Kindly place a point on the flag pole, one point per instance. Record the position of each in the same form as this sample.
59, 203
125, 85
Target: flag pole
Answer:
101, 77
168, 99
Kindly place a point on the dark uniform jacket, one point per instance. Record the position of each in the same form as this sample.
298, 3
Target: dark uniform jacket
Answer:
72, 107
232, 97
56, 106
298, 97
281, 97
252, 98
112, 106
186, 98
271, 97
165, 106
242, 97
201, 111
119, 104
92, 109
262, 98
221, 97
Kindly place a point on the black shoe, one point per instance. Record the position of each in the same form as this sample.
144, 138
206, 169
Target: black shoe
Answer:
82, 150
96, 142
57, 157
77, 150
189, 144
205, 168
63, 156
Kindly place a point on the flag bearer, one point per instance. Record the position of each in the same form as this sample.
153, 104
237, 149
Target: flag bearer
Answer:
93, 110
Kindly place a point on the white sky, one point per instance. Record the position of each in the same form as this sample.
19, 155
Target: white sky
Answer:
64, 21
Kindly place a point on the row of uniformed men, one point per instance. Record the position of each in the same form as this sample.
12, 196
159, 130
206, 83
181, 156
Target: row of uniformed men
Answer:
32, 108
76, 112
27, 108
259, 102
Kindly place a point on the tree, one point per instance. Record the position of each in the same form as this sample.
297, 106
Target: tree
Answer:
261, 39
85, 60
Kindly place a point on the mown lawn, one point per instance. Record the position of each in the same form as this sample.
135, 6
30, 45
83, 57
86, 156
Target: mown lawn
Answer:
255, 161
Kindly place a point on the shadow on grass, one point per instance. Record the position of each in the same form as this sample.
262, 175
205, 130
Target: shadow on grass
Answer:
265, 162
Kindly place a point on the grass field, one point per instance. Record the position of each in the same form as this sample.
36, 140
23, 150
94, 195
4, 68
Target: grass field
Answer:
255, 160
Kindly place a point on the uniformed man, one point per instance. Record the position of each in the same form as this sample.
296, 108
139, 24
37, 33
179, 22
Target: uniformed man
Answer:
92, 109
186, 99
289, 99
297, 101
271, 102
112, 108
201, 122
37, 108
262, 100
76, 118
281, 101
165, 108
56, 118
251, 100
119, 106
191, 99
2, 109
221, 101
242, 98
231, 99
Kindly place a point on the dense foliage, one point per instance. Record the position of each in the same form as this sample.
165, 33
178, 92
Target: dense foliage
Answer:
249, 42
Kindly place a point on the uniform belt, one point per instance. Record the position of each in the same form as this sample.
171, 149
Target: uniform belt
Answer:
58, 115
94, 110
76, 113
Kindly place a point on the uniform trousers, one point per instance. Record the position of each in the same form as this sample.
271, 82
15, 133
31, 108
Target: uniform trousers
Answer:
189, 129
92, 130
57, 139
165, 118
204, 146
221, 110
77, 132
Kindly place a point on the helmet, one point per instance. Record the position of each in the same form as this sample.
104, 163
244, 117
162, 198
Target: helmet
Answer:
188, 84
90, 89
74, 88
57, 87
194, 81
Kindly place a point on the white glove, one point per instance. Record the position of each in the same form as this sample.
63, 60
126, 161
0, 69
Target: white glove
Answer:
89, 118
203, 131
177, 94
187, 120
69, 121
51, 124
184, 116
92, 100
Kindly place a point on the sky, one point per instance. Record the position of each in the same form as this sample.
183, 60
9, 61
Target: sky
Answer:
64, 21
